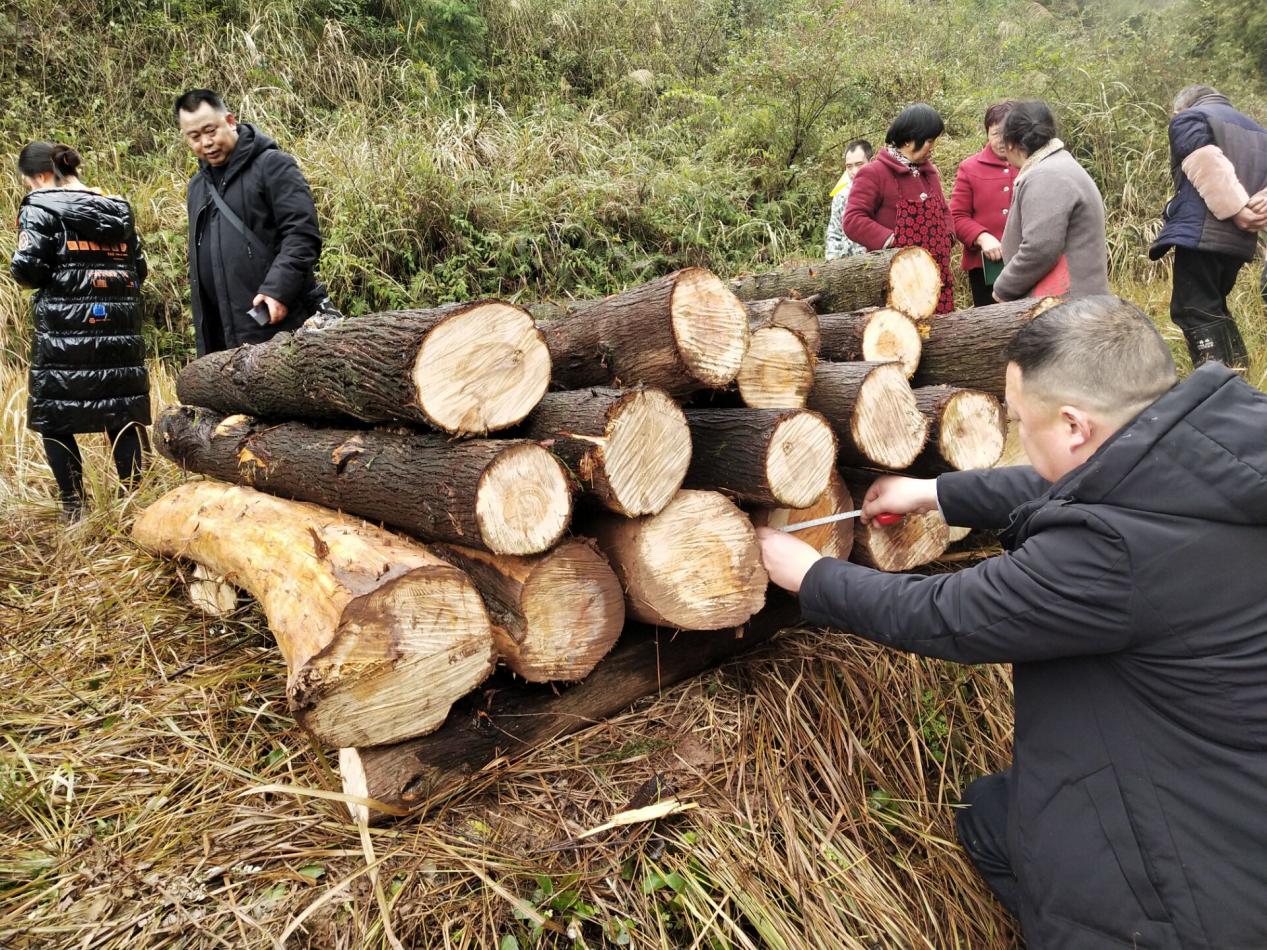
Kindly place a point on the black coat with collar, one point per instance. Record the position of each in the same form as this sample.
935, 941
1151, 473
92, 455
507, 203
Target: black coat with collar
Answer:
265, 188
1133, 602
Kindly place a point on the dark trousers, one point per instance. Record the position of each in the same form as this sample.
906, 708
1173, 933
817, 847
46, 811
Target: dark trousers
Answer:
1198, 305
982, 293
982, 827
126, 446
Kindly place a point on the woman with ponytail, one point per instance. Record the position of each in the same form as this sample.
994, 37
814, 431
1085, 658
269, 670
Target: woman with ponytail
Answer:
79, 250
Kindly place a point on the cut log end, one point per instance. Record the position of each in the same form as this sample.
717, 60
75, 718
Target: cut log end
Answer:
972, 431
914, 282
887, 426
795, 315
778, 370
647, 453
710, 326
829, 540
801, 458
524, 501
466, 389
891, 335
915, 540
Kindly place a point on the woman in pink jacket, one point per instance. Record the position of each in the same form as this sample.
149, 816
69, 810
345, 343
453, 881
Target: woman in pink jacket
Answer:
979, 205
896, 199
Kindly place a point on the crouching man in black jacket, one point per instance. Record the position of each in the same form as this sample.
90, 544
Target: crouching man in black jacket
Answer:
1132, 599
254, 240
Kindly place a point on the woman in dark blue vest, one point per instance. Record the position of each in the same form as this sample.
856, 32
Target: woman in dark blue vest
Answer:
79, 250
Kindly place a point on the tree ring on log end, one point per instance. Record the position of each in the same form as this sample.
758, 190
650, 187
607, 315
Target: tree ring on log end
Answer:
710, 326
778, 370
916, 539
648, 451
914, 282
887, 426
801, 458
524, 501
972, 430
891, 336
481, 369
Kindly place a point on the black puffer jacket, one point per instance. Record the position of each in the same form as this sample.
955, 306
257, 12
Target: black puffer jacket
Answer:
80, 251
1131, 601
267, 191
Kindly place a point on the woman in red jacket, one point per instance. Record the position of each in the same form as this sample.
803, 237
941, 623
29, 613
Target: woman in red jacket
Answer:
896, 199
979, 204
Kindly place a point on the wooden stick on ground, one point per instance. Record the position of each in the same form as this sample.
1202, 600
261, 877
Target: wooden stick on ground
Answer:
872, 410
878, 334
380, 636
465, 369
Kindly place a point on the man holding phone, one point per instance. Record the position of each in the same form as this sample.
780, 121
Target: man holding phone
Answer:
254, 240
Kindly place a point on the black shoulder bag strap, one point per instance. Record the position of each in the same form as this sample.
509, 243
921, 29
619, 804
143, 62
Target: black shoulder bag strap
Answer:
252, 238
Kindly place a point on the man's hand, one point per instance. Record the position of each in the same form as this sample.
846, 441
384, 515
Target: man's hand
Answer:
276, 309
991, 249
1252, 217
787, 559
899, 495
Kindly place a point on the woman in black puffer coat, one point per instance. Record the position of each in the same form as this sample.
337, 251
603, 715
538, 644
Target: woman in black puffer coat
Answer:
80, 251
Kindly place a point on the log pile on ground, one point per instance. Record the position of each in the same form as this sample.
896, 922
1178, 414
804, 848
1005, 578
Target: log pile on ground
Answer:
533, 524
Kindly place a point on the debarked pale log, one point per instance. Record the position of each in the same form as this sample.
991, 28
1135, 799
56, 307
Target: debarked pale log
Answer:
379, 635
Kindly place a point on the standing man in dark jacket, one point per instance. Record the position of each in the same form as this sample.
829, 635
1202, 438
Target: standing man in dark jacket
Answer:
257, 247
1130, 601
1218, 158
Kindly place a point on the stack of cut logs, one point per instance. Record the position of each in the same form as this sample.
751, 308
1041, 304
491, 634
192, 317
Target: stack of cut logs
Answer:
400, 550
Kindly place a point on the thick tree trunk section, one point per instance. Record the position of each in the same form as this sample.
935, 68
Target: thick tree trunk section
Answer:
830, 540
380, 636
694, 566
682, 332
554, 615
465, 369
775, 457
966, 430
915, 540
504, 723
798, 316
777, 371
968, 348
510, 497
906, 278
873, 412
875, 335
628, 448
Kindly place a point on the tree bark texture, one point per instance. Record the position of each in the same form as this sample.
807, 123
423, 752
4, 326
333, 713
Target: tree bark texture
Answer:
872, 410
504, 723
681, 332
774, 457
906, 278
877, 335
968, 348
629, 448
555, 615
465, 369
966, 430
505, 496
379, 635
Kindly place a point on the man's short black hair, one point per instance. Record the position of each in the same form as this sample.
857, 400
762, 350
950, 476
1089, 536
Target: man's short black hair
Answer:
863, 144
916, 124
192, 99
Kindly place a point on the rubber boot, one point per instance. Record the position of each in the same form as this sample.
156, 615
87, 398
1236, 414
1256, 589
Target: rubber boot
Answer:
1218, 340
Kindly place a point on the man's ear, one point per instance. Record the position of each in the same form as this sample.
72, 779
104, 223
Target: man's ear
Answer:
231, 120
1078, 426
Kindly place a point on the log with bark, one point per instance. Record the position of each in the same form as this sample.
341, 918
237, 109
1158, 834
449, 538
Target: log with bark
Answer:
510, 497
500, 724
906, 278
873, 412
798, 316
465, 369
916, 539
966, 430
968, 348
777, 371
629, 448
379, 635
877, 335
776, 457
681, 332
554, 615
830, 540
695, 565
